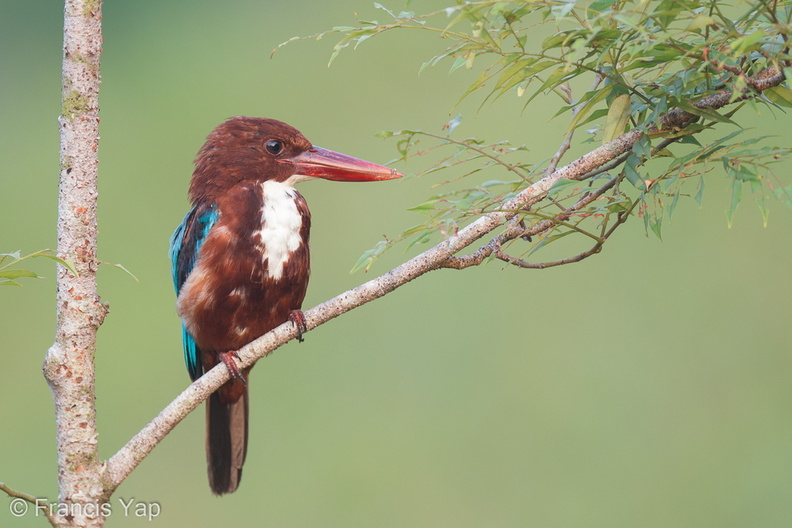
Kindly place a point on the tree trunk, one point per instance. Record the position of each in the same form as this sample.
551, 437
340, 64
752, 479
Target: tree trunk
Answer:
69, 363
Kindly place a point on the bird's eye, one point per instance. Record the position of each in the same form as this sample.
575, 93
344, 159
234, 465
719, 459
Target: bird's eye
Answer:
274, 147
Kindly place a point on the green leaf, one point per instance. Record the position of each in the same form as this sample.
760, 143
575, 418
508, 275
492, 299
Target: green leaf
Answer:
450, 126
458, 63
691, 140
422, 238
672, 207
642, 148
521, 71
780, 95
735, 200
589, 105
17, 273
744, 173
124, 269
667, 12
368, 257
760, 203
596, 114
707, 113
515, 67
15, 255
428, 205
618, 118
701, 21
560, 185
618, 205
700, 192
748, 42
539, 67
631, 172
415, 229
66, 263
555, 79
784, 195
562, 38
477, 84
601, 5
656, 227
548, 239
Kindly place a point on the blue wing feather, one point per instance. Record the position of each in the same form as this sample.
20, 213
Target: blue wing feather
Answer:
185, 246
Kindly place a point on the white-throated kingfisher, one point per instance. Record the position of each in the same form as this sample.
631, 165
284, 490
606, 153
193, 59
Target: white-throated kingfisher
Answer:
241, 262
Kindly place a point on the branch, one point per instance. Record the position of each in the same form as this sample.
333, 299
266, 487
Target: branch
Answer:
567, 143
674, 120
621, 217
69, 363
120, 465
41, 504
677, 118
517, 229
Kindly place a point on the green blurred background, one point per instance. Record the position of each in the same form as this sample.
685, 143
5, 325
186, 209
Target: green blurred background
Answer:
648, 386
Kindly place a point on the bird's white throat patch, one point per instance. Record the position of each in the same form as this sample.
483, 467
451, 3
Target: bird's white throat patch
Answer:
280, 226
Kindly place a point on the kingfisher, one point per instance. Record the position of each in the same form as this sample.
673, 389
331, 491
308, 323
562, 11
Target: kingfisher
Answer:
240, 261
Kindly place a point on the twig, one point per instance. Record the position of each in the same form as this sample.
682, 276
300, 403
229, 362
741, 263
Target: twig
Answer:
567, 143
35, 501
516, 231
675, 120
480, 151
621, 217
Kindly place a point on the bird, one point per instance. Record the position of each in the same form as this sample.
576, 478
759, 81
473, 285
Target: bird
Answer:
240, 261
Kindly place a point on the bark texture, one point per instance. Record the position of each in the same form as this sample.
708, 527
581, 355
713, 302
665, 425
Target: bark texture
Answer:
69, 363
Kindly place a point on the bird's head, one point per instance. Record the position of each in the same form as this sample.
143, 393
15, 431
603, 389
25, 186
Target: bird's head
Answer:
260, 149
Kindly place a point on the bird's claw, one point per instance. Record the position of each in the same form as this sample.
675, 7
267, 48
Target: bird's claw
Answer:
298, 320
229, 360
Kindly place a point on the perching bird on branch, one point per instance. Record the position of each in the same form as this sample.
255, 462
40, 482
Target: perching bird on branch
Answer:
241, 260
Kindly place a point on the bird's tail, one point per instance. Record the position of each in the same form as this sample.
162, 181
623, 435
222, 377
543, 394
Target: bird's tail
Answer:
226, 441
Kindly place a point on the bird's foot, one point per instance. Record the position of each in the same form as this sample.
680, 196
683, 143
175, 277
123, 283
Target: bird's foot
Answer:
229, 360
298, 320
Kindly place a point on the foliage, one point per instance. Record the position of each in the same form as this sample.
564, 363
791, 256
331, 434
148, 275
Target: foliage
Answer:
616, 66
10, 272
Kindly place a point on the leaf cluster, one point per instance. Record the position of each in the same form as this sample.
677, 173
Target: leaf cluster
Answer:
667, 68
10, 271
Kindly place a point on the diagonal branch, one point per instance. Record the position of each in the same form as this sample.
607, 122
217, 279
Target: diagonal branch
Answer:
120, 465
